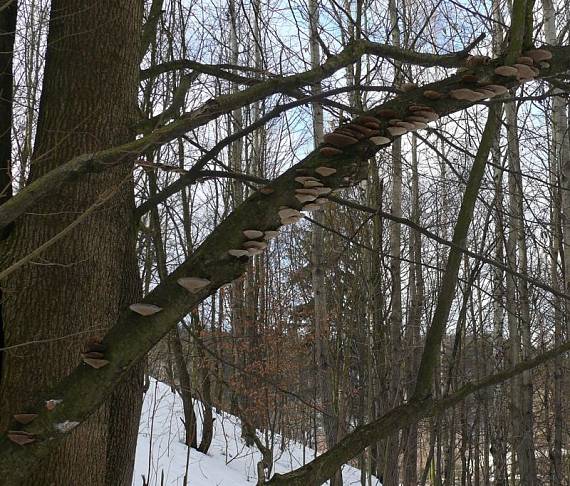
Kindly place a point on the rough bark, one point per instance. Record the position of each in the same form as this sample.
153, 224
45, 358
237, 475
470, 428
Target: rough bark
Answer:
78, 287
8, 15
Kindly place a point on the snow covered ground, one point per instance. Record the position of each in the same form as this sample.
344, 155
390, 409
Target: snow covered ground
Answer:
162, 457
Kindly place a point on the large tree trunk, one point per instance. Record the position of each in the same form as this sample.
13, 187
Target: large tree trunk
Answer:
8, 13
78, 286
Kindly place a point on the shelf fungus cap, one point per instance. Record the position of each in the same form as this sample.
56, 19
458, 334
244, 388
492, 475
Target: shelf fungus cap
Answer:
269, 235
145, 309
419, 124
465, 95
285, 212
538, 55
416, 107
524, 71
380, 140
507, 71
255, 244
325, 171
498, 89
330, 151
313, 191
304, 198
20, 437
252, 234
529, 61
95, 362
339, 140
303, 179
415, 118
361, 120
406, 125
238, 253
25, 418
487, 93
312, 207
266, 190
396, 131
323, 190
314, 183
431, 94
291, 220
387, 113
193, 284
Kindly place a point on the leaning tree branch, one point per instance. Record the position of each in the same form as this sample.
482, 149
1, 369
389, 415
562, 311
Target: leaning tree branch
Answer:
324, 466
446, 293
85, 389
358, 47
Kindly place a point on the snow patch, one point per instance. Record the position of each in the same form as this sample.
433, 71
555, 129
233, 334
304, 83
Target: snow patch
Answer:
163, 458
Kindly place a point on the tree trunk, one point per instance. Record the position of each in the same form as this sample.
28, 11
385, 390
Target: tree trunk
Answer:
78, 286
8, 13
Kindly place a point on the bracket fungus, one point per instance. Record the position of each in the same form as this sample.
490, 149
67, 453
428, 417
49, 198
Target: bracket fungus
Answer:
329, 151
525, 71
145, 309
498, 89
267, 190
362, 130
419, 124
538, 55
396, 131
430, 94
529, 61
368, 122
464, 94
255, 247
251, 234
406, 125
427, 115
313, 183
313, 191
325, 171
238, 253
304, 198
339, 139
312, 207
193, 284
415, 118
25, 418
255, 244
380, 140
387, 113
322, 190
286, 212
95, 362
291, 220
269, 235
507, 71
20, 437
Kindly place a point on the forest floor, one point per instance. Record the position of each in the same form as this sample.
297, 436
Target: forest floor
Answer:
162, 458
